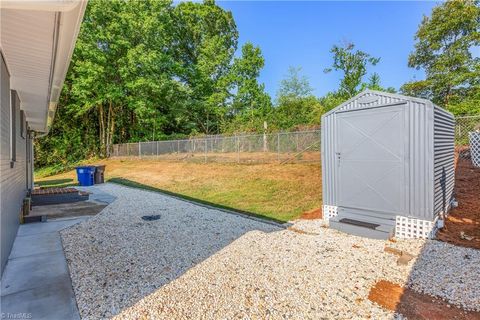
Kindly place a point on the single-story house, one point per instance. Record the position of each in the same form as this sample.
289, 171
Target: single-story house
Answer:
37, 39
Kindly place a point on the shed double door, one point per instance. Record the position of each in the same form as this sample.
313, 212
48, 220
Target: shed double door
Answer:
371, 159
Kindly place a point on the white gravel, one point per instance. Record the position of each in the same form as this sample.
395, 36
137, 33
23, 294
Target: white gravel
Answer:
196, 262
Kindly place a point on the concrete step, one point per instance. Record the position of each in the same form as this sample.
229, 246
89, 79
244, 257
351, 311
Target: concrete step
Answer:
49, 199
363, 226
55, 211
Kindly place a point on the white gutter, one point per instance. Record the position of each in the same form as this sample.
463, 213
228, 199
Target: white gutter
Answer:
40, 5
52, 107
63, 45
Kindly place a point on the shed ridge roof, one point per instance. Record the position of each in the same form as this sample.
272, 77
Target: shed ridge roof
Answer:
377, 93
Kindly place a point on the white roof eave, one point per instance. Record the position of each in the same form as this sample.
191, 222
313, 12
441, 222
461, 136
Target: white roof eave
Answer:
37, 46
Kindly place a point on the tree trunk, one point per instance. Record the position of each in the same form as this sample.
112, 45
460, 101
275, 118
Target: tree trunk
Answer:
447, 96
110, 129
102, 130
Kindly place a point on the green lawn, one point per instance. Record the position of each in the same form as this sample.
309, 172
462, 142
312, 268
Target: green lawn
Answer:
273, 191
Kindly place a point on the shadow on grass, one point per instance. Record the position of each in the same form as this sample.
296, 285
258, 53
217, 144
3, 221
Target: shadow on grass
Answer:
56, 183
134, 184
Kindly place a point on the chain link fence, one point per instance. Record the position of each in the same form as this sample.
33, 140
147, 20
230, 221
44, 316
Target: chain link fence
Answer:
463, 126
283, 147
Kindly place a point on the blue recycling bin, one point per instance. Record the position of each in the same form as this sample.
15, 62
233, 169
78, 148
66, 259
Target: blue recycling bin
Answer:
85, 175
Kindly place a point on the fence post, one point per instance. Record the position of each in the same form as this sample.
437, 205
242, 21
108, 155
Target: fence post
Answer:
278, 147
265, 149
140, 150
296, 136
205, 150
238, 148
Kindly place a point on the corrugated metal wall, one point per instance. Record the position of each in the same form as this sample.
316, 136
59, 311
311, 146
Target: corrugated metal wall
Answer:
329, 165
420, 161
419, 170
444, 145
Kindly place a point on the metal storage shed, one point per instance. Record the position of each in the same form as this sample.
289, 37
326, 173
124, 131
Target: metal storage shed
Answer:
387, 165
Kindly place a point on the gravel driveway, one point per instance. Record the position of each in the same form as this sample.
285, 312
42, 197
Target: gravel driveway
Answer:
196, 262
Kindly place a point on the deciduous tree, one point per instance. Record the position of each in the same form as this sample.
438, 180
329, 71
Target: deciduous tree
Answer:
447, 48
353, 64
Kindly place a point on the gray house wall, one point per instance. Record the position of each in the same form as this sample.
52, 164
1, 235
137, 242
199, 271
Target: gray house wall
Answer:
13, 178
430, 145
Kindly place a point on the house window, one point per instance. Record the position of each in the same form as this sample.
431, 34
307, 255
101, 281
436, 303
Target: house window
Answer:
13, 127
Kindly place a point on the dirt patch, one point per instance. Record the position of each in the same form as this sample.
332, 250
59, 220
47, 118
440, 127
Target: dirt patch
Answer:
296, 230
403, 257
462, 226
312, 214
414, 305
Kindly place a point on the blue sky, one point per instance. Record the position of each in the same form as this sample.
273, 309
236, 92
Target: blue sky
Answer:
301, 34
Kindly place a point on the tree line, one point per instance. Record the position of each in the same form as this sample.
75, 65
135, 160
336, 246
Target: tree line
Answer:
153, 70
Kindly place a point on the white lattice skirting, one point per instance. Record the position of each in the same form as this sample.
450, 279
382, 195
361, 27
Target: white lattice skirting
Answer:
413, 228
475, 148
329, 212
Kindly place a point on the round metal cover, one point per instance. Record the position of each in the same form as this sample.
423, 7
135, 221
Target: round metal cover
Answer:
151, 217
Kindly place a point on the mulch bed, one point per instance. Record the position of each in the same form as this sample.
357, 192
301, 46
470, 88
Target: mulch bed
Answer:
414, 305
54, 190
462, 226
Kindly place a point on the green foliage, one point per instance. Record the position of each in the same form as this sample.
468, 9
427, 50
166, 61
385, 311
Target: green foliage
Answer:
353, 64
296, 104
331, 100
206, 40
152, 70
374, 83
144, 70
251, 105
294, 86
444, 45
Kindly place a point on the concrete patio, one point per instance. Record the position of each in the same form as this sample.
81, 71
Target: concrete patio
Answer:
36, 283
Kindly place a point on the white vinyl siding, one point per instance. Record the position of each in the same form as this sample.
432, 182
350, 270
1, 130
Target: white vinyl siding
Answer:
12, 178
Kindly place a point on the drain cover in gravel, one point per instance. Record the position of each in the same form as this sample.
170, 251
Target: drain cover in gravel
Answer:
151, 218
